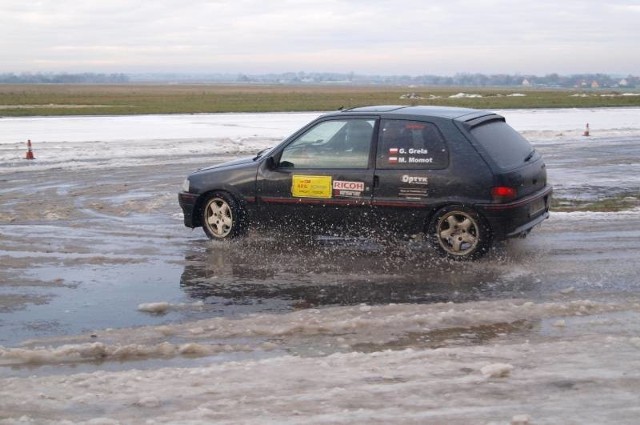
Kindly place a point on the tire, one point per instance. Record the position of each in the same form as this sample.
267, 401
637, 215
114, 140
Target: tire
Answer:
460, 233
223, 217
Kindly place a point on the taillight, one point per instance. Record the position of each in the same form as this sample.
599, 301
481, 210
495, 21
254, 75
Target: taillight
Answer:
503, 193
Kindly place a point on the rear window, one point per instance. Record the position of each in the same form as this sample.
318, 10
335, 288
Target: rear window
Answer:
507, 147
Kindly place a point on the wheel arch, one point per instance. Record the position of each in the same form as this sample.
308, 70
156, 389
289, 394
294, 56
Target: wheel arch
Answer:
453, 204
486, 235
205, 196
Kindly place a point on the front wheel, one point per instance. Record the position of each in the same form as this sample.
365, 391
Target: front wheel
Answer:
460, 233
222, 217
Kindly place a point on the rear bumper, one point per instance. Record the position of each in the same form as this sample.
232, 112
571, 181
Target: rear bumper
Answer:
526, 228
188, 202
517, 218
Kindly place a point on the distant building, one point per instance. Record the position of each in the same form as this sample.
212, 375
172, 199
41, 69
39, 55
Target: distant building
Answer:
595, 84
526, 83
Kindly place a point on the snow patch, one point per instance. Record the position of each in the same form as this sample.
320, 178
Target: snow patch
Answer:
111, 142
465, 96
341, 328
595, 215
99, 351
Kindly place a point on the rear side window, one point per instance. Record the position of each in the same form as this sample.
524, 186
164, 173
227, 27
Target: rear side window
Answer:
507, 147
405, 145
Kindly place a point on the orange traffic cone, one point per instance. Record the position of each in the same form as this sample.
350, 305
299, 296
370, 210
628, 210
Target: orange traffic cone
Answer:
29, 151
586, 131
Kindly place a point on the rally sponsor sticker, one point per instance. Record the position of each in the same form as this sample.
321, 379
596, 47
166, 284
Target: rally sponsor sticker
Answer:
339, 184
311, 186
413, 193
421, 180
348, 188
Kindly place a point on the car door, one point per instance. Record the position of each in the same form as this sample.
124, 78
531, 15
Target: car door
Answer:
410, 174
323, 177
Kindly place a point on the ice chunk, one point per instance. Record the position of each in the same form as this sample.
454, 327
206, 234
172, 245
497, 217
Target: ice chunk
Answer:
497, 370
520, 420
148, 402
155, 308
560, 324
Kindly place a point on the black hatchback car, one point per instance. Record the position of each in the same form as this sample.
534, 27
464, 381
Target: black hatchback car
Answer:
461, 176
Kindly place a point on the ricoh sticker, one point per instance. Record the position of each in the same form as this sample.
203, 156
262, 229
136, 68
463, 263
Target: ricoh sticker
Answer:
420, 180
348, 188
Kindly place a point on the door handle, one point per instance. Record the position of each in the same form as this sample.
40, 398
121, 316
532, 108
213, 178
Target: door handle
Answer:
376, 181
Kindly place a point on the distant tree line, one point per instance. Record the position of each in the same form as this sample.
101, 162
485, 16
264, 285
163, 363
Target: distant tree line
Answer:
585, 81
84, 78
460, 79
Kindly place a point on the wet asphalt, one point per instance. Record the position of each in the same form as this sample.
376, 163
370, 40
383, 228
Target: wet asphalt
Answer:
82, 249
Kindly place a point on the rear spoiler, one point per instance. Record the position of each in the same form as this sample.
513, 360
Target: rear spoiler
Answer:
484, 119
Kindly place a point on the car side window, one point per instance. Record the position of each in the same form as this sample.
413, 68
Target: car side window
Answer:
404, 144
342, 143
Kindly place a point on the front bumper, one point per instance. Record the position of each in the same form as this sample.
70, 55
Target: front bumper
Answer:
188, 202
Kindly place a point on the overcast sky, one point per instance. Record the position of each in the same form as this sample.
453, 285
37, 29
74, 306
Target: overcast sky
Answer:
363, 36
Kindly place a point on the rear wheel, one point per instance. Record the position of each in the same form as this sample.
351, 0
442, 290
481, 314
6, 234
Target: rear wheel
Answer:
460, 233
223, 217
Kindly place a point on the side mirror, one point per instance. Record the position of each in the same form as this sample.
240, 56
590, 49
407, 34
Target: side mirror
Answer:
271, 163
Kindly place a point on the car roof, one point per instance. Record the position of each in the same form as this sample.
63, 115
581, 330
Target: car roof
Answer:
460, 114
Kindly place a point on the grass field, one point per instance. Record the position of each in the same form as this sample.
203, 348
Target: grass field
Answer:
39, 100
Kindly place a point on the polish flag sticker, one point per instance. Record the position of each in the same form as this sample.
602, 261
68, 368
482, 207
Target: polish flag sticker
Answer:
393, 151
393, 160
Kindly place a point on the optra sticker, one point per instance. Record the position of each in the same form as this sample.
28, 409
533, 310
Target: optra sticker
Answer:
415, 180
311, 186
